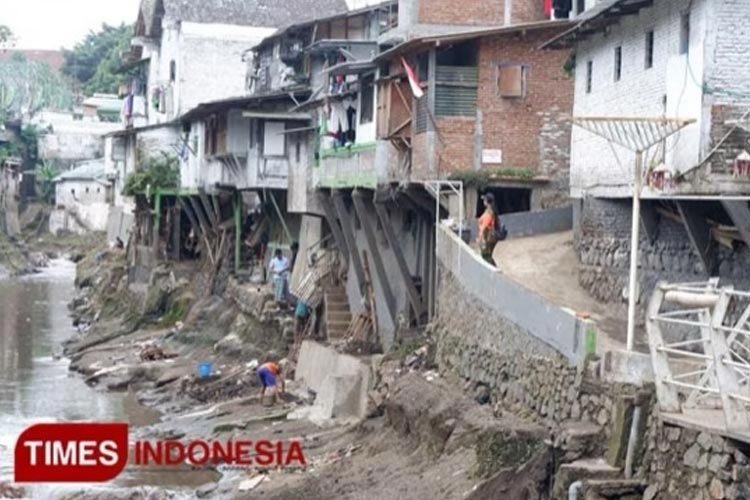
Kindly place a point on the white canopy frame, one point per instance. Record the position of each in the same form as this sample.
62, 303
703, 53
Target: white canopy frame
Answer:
637, 135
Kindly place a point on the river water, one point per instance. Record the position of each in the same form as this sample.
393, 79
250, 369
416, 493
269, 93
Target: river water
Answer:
35, 384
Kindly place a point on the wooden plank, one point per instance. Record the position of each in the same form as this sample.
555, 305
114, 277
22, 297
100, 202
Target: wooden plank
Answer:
699, 232
372, 243
208, 207
649, 220
191, 217
333, 223
740, 214
411, 290
204, 224
351, 242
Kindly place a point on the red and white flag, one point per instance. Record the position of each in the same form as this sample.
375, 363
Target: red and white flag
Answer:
414, 82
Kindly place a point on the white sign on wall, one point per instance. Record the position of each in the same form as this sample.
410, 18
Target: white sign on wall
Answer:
492, 156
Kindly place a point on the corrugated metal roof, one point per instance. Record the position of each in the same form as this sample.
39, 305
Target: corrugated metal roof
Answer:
602, 14
88, 170
429, 39
265, 13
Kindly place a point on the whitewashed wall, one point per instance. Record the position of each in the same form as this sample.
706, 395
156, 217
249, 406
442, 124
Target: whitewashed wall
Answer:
211, 66
672, 87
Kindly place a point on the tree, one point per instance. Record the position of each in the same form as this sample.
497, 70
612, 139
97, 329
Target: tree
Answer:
29, 86
93, 62
46, 171
6, 37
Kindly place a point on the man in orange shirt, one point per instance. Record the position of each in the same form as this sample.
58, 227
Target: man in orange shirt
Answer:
486, 238
268, 373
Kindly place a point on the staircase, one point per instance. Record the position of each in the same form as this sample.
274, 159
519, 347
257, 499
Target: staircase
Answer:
337, 314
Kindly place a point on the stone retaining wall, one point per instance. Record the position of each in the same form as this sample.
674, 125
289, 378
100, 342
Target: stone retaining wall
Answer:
688, 464
603, 243
523, 374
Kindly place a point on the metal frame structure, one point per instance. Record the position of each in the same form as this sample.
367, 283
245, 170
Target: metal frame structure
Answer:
438, 188
709, 369
637, 135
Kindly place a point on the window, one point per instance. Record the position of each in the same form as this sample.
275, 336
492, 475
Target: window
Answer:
297, 151
172, 71
87, 190
649, 56
511, 80
580, 6
618, 63
685, 33
589, 71
367, 107
274, 139
216, 135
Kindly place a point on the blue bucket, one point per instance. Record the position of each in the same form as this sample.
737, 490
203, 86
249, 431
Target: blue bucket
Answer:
205, 369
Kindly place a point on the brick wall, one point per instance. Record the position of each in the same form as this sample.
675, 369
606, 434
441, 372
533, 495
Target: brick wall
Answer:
455, 151
728, 73
527, 128
480, 12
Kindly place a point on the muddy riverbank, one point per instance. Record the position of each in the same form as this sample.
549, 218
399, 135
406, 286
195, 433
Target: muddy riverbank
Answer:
422, 437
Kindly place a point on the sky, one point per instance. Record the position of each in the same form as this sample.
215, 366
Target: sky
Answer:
52, 24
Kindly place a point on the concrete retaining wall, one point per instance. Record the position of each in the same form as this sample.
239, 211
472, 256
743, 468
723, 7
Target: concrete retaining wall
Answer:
340, 381
553, 325
541, 222
119, 224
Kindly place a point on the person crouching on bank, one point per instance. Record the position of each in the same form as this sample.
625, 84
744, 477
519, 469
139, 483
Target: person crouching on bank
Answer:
270, 375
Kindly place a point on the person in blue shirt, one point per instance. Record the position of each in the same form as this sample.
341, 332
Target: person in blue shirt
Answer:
279, 268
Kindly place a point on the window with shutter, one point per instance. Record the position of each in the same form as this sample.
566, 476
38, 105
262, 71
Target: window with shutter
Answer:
511, 80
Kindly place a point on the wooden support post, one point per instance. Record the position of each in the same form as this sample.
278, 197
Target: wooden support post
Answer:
740, 214
411, 290
204, 224
157, 222
431, 271
699, 232
372, 243
237, 199
176, 233
208, 208
351, 242
649, 220
333, 223
191, 217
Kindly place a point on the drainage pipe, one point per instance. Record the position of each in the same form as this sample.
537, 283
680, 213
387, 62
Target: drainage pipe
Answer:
574, 489
631, 442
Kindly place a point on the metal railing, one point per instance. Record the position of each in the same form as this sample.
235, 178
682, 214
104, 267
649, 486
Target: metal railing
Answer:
699, 338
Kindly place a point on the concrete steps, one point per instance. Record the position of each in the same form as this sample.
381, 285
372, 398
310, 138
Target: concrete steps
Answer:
337, 313
585, 470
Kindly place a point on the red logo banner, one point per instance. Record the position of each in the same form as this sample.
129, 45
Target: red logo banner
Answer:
71, 452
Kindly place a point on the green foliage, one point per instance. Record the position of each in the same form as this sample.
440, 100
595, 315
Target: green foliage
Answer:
29, 86
6, 36
482, 178
8, 150
30, 139
159, 172
46, 171
497, 450
93, 62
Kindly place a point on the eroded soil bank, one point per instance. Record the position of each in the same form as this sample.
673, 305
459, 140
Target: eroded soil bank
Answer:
425, 434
